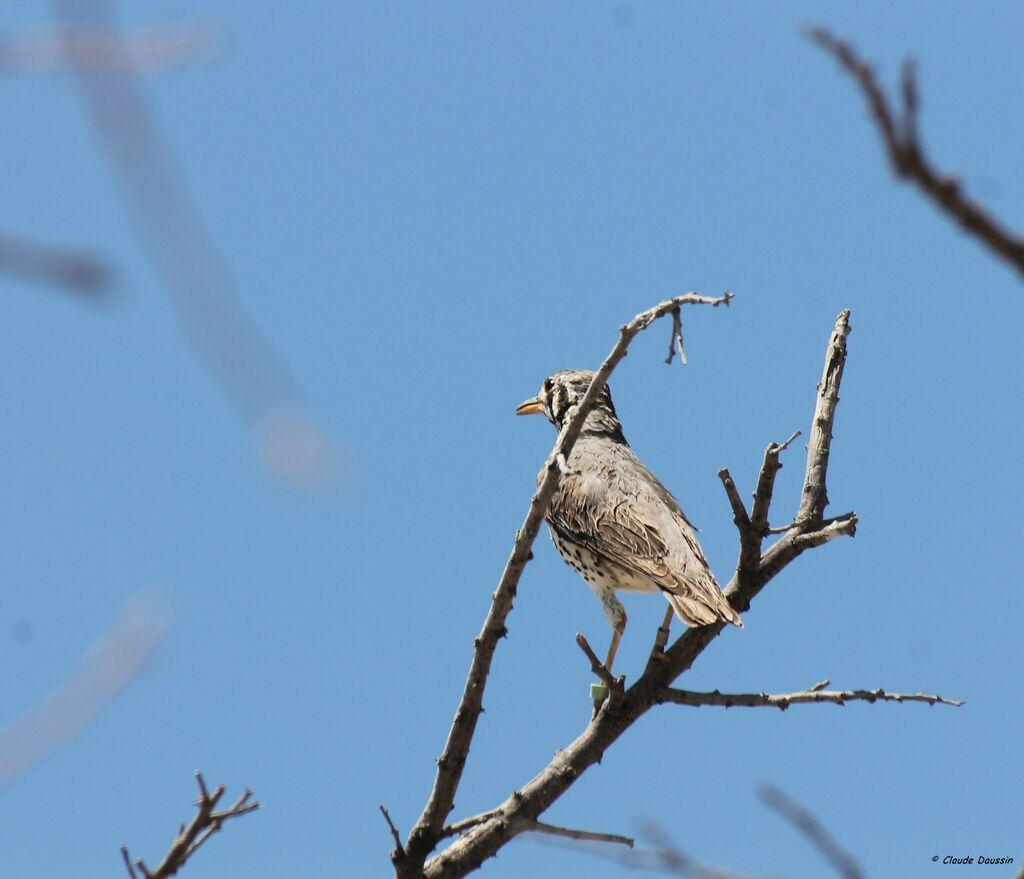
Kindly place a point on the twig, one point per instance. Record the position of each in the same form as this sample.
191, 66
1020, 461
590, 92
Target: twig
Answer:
814, 498
770, 467
596, 666
467, 823
395, 835
450, 765
817, 693
77, 272
906, 153
207, 821
813, 831
530, 825
665, 857
739, 515
128, 862
754, 528
675, 341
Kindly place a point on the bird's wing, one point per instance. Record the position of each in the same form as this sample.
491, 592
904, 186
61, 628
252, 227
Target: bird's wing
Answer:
625, 524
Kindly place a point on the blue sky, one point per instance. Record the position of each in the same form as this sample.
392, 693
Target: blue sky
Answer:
424, 210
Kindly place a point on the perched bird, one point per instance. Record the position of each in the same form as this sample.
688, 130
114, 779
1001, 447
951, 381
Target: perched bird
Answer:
616, 524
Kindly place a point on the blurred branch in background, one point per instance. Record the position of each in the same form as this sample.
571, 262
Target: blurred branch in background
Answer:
63, 715
902, 142
290, 444
664, 856
207, 821
812, 830
144, 51
74, 271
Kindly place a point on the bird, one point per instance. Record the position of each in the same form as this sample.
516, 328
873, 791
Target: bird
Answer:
614, 523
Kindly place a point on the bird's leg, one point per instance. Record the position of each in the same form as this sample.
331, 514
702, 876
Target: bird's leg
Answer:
616, 635
599, 692
662, 637
616, 615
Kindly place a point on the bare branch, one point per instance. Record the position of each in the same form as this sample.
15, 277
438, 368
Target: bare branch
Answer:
467, 823
813, 831
750, 543
598, 667
395, 835
75, 271
754, 528
817, 694
906, 153
128, 862
529, 825
815, 496
675, 342
766, 485
427, 831
664, 857
207, 821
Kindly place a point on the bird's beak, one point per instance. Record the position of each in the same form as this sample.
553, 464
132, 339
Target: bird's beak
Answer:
533, 406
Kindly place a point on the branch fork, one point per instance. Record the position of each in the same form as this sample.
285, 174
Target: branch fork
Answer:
207, 821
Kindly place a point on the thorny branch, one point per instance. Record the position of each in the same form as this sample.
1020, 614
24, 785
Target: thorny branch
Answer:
817, 693
207, 821
529, 825
427, 831
813, 831
898, 130
484, 835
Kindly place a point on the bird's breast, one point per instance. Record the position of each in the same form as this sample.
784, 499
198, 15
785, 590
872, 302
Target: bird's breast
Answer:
600, 573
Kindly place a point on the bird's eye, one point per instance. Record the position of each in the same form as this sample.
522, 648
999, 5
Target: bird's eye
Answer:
548, 385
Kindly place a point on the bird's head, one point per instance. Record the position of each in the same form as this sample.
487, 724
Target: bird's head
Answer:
562, 392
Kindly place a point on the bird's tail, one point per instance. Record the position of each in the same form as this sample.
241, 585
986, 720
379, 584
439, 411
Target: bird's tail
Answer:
702, 608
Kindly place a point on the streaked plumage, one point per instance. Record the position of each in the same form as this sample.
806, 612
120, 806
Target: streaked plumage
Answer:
615, 523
